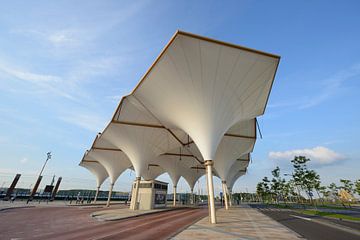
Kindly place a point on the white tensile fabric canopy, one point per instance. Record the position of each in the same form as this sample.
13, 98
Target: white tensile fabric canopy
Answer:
204, 87
237, 170
199, 102
95, 168
239, 140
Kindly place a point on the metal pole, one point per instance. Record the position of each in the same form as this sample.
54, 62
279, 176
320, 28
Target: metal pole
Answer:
47, 159
37, 183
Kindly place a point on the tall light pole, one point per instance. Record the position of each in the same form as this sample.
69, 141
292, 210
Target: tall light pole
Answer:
37, 183
47, 159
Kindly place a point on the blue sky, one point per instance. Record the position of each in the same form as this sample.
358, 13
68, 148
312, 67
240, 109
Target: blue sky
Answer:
64, 66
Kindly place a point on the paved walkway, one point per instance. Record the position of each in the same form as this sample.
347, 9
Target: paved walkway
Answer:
238, 223
121, 213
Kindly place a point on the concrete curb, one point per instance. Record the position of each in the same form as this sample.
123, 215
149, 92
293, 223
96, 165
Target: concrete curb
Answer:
20, 207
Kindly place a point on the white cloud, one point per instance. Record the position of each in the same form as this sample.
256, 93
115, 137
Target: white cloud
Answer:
331, 86
47, 83
62, 37
29, 76
24, 160
86, 121
319, 155
327, 89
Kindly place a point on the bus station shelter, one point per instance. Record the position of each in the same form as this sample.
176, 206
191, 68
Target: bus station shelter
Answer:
193, 113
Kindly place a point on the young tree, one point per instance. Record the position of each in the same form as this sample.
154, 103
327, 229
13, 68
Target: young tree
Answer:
310, 181
266, 186
260, 190
333, 189
291, 189
357, 186
324, 192
303, 177
347, 185
276, 182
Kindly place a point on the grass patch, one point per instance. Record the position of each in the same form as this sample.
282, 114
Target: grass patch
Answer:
327, 214
336, 207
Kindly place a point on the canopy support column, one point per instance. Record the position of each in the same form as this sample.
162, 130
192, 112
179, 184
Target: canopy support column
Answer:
209, 164
230, 196
192, 202
174, 197
225, 195
96, 194
110, 193
135, 205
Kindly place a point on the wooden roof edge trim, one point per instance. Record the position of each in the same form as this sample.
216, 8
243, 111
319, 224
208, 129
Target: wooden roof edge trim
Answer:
138, 124
245, 160
272, 83
107, 149
174, 135
178, 154
239, 136
179, 32
189, 143
90, 161
153, 165
198, 168
112, 119
156, 61
228, 44
118, 108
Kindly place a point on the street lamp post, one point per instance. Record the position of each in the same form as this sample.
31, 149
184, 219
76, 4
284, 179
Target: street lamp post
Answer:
37, 183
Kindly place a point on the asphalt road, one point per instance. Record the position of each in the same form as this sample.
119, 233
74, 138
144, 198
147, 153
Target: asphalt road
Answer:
308, 227
75, 223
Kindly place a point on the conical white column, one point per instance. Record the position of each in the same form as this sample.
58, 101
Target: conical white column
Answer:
96, 194
225, 195
134, 203
110, 193
174, 197
230, 196
210, 185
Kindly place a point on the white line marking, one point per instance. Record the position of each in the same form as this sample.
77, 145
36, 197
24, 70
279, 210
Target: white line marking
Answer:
304, 218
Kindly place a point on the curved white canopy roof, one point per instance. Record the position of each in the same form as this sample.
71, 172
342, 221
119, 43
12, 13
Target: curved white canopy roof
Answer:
237, 170
239, 140
115, 162
138, 134
204, 87
191, 176
198, 101
95, 168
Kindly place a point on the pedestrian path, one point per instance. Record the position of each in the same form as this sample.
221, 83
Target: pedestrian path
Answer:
238, 223
123, 212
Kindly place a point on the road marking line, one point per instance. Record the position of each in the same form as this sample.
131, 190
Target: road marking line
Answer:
304, 218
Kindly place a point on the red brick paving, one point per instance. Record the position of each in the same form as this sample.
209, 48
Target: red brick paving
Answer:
76, 223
